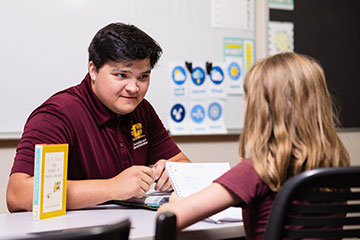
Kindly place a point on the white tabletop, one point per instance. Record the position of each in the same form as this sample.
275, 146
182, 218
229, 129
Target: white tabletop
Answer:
142, 223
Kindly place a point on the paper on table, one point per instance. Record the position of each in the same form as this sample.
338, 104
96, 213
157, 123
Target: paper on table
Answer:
189, 178
156, 198
152, 201
231, 214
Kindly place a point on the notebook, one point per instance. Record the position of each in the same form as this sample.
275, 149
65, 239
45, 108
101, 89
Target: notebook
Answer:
152, 201
189, 178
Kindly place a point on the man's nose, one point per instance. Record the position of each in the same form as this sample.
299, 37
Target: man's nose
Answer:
132, 85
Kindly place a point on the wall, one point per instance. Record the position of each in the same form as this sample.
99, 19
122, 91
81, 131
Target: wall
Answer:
64, 38
324, 17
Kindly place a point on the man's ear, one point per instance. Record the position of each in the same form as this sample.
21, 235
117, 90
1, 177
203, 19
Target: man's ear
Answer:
92, 70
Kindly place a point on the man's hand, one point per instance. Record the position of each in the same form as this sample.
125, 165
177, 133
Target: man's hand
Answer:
162, 179
134, 181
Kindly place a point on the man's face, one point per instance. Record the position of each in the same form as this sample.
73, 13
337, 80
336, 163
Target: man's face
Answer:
121, 86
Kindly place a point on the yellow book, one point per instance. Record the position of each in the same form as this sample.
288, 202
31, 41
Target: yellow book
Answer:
50, 176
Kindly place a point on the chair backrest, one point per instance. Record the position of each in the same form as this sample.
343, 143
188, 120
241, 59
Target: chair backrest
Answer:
166, 226
305, 207
116, 231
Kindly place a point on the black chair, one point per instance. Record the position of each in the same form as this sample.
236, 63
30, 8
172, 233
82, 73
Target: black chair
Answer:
116, 231
166, 226
305, 207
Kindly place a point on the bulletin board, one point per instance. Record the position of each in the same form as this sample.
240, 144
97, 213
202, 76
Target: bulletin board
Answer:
44, 43
329, 31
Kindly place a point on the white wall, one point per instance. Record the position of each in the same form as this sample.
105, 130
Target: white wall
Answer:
165, 20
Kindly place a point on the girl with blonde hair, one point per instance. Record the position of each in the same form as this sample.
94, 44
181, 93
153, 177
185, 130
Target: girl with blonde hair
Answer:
289, 128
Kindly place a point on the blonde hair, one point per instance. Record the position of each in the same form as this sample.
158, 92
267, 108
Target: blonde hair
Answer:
289, 120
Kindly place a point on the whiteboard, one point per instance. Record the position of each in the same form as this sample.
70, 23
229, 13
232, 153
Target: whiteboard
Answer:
43, 47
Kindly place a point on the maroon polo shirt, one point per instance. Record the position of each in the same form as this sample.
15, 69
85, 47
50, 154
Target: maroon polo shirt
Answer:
101, 143
244, 182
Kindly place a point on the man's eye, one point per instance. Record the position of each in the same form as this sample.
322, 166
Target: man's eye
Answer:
144, 77
121, 75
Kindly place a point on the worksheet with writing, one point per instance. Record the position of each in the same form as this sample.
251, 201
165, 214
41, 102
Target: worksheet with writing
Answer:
189, 178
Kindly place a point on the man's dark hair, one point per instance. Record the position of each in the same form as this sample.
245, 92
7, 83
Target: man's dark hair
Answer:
122, 42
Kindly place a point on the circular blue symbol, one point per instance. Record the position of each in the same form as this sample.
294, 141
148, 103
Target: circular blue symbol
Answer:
214, 111
217, 75
177, 112
197, 114
178, 75
198, 76
234, 71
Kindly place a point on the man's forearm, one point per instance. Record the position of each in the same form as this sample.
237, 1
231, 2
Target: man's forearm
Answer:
87, 193
180, 157
80, 193
19, 195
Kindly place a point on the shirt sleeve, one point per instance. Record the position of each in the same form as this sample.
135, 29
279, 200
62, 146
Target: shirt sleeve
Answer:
243, 181
42, 127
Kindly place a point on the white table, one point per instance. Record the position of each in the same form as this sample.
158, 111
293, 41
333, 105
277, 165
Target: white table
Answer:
142, 223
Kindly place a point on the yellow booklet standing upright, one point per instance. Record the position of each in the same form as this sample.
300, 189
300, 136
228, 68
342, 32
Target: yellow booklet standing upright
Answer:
50, 176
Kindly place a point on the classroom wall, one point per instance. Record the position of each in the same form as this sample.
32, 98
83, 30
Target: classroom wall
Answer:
203, 150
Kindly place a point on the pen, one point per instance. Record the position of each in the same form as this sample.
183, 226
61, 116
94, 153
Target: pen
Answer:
154, 170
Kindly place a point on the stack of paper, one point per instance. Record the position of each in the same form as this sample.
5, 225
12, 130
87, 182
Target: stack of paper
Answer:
189, 178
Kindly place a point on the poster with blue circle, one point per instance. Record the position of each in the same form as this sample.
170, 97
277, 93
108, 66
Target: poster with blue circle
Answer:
198, 117
197, 113
179, 82
178, 119
234, 71
216, 118
235, 74
198, 83
178, 75
198, 76
178, 112
214, 111
217, 75
217, 84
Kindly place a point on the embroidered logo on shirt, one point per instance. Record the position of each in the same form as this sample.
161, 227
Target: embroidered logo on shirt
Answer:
137, 133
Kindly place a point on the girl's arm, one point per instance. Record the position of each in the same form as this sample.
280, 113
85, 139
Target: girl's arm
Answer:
201, 205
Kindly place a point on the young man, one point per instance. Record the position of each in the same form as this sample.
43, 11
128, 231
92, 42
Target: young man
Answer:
114, 134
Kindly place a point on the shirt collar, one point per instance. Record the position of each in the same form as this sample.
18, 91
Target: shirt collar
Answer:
100, 112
